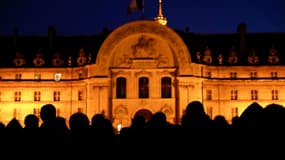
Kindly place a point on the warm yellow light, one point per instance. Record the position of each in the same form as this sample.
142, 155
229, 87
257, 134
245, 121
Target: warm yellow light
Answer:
119, 127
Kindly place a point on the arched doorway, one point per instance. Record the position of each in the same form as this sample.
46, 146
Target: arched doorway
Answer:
145, 113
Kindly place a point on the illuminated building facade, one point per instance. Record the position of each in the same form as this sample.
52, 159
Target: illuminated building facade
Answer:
140, 68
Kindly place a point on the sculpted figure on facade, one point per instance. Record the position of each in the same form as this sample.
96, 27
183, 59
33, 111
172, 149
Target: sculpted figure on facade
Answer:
144, 48
220, 59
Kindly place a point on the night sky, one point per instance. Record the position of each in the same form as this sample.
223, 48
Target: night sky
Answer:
75, 17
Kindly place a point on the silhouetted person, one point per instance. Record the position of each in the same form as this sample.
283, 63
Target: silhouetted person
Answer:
62, 137
48, 116
274, 117
196, 126
158, 121
14, 137
31, 121
134, 135
103, 134
195, 117
138, 122
159, 133
273, 130
251, 117
31, 135
220, 123
79, 125
48, 130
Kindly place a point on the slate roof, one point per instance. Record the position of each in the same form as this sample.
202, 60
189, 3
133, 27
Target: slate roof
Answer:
70, 45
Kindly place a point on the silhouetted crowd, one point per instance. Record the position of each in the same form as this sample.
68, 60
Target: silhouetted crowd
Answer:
256, 132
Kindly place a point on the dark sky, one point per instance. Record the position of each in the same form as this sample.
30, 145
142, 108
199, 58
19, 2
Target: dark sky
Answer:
74, 17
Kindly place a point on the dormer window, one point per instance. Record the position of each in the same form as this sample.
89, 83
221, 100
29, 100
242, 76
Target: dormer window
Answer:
18, 76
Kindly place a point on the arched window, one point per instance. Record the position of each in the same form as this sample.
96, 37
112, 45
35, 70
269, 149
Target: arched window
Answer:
121, 87
143, 87
166, 87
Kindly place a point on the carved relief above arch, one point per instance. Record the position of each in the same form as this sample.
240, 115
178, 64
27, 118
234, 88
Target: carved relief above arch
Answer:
167, 110
143, 41
121, 111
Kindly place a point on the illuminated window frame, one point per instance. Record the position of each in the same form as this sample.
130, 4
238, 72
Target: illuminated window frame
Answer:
37, 96
275, 95
233, 75
37, 76
254, 95
17, 96
234, 94
253, 74
166, 87
209, 94
18, 76
273, 74
80, 96
56, 96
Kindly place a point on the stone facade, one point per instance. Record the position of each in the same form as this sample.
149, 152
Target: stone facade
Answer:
139, 52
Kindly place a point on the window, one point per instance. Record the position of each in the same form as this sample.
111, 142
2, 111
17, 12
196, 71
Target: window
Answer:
234, 94
80, 109
18, 76
57, 76
253, 74
274, 94
56, 96
234, 112
209, 94
209, 74
233, 75
37, 96
273, 74
166, 87
254, 95
37, 76
80, 75
121, 87
80, 95
143, 87
17, 96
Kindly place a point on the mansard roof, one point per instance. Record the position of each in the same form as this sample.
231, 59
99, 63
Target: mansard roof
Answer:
223, 43
67, 46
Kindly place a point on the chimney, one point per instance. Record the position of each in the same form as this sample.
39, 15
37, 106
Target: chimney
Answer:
51, 39
241, 29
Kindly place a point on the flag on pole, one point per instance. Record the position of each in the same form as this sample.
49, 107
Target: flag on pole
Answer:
135, 5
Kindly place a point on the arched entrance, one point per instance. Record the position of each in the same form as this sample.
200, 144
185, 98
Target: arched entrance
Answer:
144, 113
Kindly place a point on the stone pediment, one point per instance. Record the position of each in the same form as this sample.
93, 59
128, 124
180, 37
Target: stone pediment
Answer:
126, 45
143, 51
